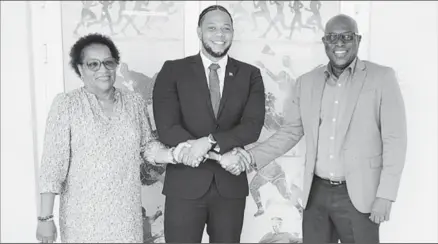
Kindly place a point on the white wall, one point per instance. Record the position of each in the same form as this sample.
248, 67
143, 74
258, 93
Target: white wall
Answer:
403, 35
18, 209
32, 74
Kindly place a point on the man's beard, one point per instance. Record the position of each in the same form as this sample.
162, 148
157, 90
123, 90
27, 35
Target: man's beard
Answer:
213, 53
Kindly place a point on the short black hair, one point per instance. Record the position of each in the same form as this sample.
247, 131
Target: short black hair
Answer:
76, 51
212, 8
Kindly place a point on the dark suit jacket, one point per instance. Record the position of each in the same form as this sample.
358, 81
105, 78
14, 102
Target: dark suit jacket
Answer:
183, 111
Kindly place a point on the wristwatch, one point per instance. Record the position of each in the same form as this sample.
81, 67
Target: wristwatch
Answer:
211, 140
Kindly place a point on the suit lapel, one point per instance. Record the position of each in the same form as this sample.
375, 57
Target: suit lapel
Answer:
353, 94
201, 82
230, 73
317, 92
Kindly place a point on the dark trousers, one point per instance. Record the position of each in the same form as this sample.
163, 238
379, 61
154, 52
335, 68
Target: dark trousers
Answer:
185, 219
330, 216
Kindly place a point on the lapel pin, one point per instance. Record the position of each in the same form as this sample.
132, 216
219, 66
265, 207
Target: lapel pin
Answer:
230, 74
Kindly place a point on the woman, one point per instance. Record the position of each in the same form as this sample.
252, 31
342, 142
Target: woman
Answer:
96, 138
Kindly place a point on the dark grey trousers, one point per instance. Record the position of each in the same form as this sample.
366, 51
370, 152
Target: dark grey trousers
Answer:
330, 216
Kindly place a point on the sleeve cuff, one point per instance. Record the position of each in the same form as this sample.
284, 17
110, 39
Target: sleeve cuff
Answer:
50, 188
217, 148
388, 188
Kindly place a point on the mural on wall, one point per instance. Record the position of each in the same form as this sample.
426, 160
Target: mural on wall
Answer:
154, 29
283, 39
147, 33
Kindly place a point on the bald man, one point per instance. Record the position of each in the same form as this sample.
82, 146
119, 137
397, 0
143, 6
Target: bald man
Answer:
353, 117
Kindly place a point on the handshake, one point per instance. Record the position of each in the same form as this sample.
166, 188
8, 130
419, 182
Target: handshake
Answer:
194, 152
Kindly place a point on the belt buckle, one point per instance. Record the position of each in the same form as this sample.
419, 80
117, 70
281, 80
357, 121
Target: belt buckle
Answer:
335, 183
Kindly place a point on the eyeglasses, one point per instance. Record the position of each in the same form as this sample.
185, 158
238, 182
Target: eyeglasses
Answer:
94, 64
345, 37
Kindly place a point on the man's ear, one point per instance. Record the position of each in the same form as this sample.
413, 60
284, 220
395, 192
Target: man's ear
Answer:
199, 32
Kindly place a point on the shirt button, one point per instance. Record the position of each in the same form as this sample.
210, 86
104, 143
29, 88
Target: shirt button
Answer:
339, 85
332, 137
336, 102
331, 156
334, 119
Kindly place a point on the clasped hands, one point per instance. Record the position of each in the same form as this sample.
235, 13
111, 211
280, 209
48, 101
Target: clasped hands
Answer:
194, 152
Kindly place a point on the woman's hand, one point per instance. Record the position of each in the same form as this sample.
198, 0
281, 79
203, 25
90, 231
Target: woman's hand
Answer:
46, 231
181, 151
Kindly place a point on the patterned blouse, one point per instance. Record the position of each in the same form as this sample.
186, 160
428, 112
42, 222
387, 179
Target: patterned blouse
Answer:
93, 162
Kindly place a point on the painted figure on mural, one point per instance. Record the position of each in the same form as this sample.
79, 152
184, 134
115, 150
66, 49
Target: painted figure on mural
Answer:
137, 81
273, 120
106, 15
278, 18
139, 17
288, 63
142, 5
239, 12
276, 14
131, 15
122, 8
88, 17
277, 235
163, 11
273, 173
286, 77
295, 8
315, 19
283, 79
260, 10
148, 221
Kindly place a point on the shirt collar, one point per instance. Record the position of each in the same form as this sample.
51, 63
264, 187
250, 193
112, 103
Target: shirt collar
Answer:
207, 62
329, 71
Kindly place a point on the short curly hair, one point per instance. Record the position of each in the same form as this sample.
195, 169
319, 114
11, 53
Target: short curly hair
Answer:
77, 50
